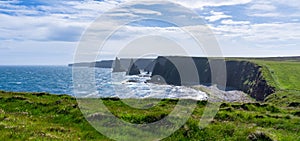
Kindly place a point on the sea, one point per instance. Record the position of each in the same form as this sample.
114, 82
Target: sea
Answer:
88, 82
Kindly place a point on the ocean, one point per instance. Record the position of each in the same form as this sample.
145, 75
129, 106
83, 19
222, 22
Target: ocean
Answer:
59, 80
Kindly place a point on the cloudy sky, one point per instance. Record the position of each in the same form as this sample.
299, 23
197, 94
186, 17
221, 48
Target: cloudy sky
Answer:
39, 32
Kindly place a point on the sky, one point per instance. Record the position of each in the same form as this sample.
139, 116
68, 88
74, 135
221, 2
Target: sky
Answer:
39, 32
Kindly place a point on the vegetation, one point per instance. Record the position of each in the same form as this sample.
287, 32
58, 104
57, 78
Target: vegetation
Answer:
42, 116
284, 75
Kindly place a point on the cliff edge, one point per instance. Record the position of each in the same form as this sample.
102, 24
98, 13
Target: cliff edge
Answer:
241, 75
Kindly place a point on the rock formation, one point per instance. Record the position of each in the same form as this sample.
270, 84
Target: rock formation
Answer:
133, 69
241, 75
117, 66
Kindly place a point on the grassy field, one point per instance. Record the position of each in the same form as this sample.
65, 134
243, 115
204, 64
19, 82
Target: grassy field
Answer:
284, 75
40, 116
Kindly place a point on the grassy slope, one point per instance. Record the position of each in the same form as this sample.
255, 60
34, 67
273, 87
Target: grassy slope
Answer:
284, 75
26, 116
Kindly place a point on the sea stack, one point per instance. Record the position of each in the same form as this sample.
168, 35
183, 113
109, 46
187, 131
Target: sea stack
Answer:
118, 67
133, 69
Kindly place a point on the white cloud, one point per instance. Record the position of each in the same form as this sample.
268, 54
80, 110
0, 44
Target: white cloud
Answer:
135, 32
231, 22
11, 7
242, 39
127, 34
87, 9
291, 3
90, 5
268, 14
274, 8
202, 3
266, 39
263, 7
8, 1
216, 16
56, 21
275, 32
232, 31
145, 11
263, 35
39, 28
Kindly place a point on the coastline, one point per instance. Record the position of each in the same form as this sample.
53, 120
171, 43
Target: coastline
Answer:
44, 116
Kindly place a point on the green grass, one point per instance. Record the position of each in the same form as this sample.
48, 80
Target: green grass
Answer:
284, 75
42, 116
27, 116
284, 98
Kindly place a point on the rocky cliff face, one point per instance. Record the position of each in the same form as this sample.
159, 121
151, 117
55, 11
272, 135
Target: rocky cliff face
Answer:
241, 75
133, 69
117, 66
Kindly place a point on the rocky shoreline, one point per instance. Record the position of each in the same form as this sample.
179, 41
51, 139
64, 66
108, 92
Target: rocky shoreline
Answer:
217, 95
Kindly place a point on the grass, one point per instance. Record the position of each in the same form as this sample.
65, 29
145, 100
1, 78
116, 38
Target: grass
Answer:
284, 75
40, 116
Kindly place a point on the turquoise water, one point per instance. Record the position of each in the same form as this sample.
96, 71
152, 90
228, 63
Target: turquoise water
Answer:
59, 80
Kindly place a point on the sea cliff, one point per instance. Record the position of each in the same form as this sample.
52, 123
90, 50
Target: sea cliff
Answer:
240, 75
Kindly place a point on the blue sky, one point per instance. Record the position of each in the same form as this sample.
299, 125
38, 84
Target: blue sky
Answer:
38, 32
